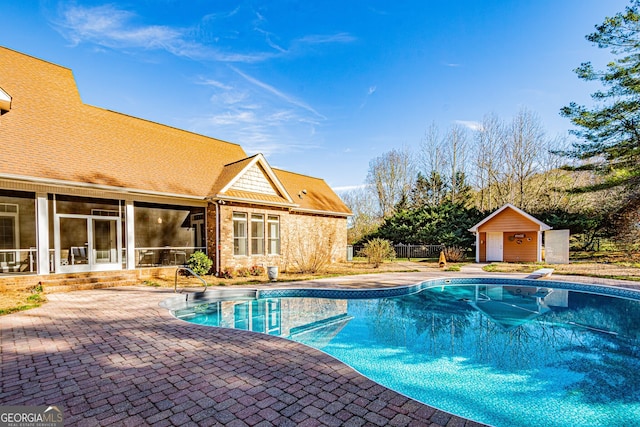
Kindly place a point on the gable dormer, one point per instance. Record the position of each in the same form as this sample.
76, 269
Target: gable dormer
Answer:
5, 102
252, 180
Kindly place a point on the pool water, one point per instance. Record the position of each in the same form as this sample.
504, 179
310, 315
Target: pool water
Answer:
500, 355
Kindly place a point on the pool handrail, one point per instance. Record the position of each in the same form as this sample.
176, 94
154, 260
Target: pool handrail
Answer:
175, 286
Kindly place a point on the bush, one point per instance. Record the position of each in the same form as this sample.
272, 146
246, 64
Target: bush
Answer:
227, 273
455, 253
313, 249
377, 250
200, 263
256, 270
243, 272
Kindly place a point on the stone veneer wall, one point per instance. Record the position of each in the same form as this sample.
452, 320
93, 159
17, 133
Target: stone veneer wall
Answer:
298, 234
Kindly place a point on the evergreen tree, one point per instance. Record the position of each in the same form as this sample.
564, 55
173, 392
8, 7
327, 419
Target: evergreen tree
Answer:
610, 130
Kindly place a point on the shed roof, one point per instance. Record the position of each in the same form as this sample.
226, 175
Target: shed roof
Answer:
542, 226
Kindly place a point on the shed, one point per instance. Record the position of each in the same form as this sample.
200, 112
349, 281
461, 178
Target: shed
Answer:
509, 234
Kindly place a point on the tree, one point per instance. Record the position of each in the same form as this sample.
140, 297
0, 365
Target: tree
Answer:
609, 130
427, 191
446, 224
522, 154
391, 177
365, 219
456, 151
489, 142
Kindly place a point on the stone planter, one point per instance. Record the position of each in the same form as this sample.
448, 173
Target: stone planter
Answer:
272, 273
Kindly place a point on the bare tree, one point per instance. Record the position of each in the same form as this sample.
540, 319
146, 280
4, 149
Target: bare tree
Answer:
489, 143
456, 155
522, 156
391, 177
433, 167
365, 217
432, 152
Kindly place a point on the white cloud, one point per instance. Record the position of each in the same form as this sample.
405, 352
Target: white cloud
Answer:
327, 38
283, 96
214, 83
111, 27
470, 124
231, 118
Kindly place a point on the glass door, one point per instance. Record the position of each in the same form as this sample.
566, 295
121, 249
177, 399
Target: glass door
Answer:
105, 248
87, 243
71, 253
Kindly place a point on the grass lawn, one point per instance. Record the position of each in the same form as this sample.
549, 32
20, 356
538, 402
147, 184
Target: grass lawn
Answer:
621, 266
14, 298
608, 265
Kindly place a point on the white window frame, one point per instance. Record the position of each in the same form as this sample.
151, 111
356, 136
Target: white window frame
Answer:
273, 219
257, 239
238, 241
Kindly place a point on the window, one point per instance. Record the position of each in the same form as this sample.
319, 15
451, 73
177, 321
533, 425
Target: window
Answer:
273, 223
239, 233
257, 234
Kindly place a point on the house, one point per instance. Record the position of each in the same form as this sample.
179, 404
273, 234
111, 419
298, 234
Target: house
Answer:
85, 189
509, 234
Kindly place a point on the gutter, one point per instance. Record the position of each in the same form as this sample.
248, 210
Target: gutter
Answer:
253, 202
60, 182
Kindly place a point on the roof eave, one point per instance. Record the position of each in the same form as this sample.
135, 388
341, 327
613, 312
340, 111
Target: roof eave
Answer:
113, 188
222, 197
321, 212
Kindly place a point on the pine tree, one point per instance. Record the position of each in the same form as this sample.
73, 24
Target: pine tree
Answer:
610, 130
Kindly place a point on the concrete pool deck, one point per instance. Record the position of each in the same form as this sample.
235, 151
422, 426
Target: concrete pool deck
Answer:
114, 357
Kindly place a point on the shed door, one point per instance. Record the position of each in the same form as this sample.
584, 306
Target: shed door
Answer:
494, 246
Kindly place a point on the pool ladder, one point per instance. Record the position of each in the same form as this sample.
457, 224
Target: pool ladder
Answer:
175, 285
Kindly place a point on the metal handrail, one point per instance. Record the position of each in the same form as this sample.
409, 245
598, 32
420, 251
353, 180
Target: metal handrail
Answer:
175, 287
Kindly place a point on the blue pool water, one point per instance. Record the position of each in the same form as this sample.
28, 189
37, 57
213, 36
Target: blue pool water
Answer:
505, 355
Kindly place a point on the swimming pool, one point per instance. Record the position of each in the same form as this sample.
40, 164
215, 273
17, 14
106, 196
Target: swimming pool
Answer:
502, 352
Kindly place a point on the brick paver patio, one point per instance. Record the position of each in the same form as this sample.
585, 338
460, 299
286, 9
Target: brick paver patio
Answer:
114, 357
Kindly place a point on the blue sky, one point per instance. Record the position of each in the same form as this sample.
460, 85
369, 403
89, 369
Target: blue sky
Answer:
319, 87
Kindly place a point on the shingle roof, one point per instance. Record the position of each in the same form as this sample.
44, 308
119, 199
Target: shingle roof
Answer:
49, 133
319, 196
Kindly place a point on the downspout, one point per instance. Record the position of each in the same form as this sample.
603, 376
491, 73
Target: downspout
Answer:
217, 237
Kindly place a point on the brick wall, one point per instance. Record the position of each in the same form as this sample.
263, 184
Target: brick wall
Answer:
300, 235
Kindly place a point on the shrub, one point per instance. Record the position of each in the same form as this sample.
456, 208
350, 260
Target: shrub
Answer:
256, 270
243, 272
227, 273
200, 263
455, 253
377, 250
314, 247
